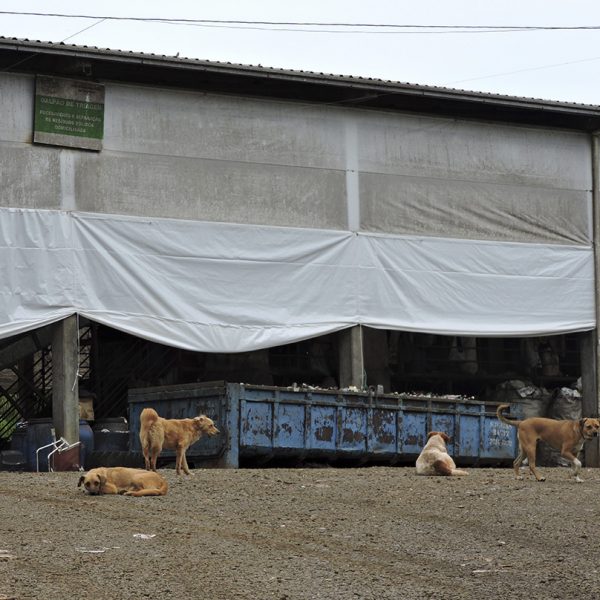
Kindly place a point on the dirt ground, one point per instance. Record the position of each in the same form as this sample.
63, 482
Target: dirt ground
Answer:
375, 533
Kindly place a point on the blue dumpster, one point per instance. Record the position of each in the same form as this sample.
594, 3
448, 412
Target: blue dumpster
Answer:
270, 422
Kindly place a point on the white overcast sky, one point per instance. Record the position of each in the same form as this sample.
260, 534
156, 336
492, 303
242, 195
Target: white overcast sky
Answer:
549, 64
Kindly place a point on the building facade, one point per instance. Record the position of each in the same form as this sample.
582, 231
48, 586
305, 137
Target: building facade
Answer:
228, 210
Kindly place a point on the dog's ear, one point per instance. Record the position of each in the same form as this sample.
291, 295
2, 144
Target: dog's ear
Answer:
432, 433
102, 478
81, 480
445, 437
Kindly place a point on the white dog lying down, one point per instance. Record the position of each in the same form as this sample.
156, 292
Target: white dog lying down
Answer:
434, 458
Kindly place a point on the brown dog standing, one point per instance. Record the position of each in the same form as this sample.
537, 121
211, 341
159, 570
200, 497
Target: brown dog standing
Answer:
434, 458
566, 436
157, 433
122, 480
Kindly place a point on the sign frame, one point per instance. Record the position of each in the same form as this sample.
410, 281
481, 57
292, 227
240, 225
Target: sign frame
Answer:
68, 112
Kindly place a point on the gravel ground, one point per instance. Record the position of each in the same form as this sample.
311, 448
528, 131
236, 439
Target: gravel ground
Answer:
376, 533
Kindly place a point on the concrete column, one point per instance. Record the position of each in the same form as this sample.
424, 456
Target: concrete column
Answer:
65, 387
590, 356
589, 392
351, 357
352, 174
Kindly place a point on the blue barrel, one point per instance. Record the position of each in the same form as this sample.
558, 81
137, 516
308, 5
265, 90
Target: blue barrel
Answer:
40, 432
86, 437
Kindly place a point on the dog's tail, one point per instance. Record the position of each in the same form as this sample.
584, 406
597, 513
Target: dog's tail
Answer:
148, 417
441, 467
459, 472
500, 409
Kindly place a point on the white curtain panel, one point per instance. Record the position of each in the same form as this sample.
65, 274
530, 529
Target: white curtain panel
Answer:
216, 287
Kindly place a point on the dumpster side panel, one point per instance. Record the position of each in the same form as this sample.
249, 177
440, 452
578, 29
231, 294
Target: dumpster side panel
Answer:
447, 423
181, 402
353, 429
499, 439
382, 431
256, 426
323, 429
414, 431
289, 430
470, 436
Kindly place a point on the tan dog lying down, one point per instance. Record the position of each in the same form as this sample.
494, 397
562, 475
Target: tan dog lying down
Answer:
434, 458
566, 436
157, 433
121, 480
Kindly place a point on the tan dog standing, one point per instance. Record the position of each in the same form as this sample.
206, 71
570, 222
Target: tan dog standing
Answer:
122, 480
566, 436
157, 433
434, 458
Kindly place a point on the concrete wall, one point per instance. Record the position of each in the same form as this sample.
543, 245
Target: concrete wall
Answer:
181, 154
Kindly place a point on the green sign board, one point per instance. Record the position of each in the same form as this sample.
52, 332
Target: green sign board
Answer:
69, 117
69, 113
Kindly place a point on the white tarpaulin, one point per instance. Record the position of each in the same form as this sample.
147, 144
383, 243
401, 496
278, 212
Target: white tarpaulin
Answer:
216, 287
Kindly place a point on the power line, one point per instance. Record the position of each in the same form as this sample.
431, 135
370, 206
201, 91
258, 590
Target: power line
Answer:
236, 22
561, 64
20, 62
82, 30
337, 31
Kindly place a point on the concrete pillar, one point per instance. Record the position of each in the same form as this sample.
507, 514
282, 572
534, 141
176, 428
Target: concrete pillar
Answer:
351, 358
589, 405
590, 356
65, 387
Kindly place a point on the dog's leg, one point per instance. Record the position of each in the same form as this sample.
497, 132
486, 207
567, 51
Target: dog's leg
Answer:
186, 469
575, 463
109, 488
146, 451
181, 462
179, 452
518, 462
531, 452
144, 492
527, 448
154, 458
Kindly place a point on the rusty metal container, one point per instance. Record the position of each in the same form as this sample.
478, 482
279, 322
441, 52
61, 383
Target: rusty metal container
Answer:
265, 422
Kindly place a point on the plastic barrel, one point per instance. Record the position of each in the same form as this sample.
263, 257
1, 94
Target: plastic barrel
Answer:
86, 437
40, 432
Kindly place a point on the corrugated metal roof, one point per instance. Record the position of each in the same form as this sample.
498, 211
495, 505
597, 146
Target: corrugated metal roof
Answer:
495, 106
179, 60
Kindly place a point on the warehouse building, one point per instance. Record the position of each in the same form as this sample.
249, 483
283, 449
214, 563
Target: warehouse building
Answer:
166, 220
